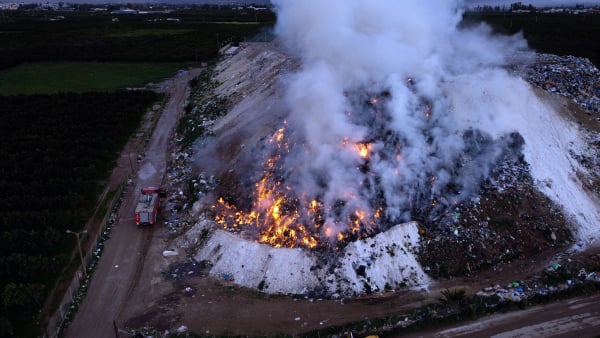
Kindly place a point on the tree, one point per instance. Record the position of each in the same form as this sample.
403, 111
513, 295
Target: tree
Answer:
22, 295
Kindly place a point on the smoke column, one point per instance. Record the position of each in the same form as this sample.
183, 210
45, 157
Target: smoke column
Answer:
414, 52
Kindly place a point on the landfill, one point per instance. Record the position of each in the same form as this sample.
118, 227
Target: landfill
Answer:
556, 278
481, 233
573, 77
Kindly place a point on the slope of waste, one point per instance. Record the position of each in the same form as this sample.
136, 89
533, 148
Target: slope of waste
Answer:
529, 206
251, 77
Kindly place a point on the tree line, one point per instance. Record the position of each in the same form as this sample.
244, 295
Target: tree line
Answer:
31, 37
56, 150
561, 34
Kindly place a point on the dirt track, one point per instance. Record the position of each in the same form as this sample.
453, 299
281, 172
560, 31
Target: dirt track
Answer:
568, 318
116, 281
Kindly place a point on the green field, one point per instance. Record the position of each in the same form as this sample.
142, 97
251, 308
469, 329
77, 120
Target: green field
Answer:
80, 77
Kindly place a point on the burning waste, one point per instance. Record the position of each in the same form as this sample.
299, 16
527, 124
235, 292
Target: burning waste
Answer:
372, 139
285, 214
393, 127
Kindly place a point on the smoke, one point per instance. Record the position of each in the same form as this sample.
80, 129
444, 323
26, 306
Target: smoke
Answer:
394, 76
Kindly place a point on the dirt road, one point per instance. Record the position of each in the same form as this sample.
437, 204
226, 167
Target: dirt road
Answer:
578, 317
117, 276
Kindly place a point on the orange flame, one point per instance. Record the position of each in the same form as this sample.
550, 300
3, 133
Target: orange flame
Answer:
364, 149
290, 222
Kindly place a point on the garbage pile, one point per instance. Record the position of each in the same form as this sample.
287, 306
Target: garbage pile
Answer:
508, 220
177, 181
567, 276
570, 76
184, 188
556, 278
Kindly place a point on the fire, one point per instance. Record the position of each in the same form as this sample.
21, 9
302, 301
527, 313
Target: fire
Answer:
283, 216
346, 204
286, 220
364, 150
279, 135
427, 111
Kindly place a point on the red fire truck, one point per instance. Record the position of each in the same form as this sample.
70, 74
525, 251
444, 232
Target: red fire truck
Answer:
147, 206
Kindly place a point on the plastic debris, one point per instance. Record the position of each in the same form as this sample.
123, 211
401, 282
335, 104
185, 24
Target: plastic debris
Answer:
570, 76
167, 253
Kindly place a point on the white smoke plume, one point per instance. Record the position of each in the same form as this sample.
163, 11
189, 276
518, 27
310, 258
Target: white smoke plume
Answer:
388, 73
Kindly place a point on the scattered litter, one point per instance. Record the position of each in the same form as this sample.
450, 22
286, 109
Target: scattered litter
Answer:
169, 253
189, 268
570, 76
593, 276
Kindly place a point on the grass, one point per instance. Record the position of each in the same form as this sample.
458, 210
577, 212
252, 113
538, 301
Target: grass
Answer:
79, 77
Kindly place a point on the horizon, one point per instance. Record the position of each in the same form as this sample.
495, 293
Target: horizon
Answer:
468, 3
535, 3
167, 2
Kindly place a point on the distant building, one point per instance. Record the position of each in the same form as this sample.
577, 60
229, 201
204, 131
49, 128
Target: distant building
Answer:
257, 8
521, 11
11, 6
125, 11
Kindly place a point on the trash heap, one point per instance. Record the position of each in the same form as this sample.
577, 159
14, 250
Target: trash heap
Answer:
556, 278
184, 188
557, 281
570, 76
177, 184
508, 220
